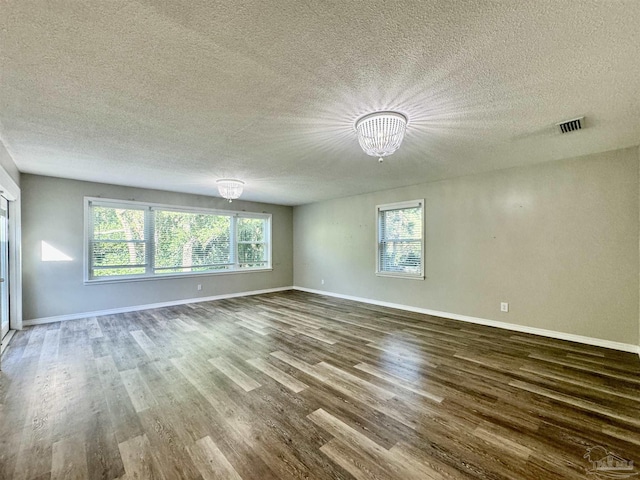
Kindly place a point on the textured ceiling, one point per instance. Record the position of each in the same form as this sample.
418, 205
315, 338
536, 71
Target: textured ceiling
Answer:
173, 95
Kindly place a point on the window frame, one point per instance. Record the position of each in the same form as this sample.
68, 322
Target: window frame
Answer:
235, 240
399, 206
149, 241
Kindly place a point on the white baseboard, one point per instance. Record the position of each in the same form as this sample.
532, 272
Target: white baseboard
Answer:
598, 342
135, 308
625, 347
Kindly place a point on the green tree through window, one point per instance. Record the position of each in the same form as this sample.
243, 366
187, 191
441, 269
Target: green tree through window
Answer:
189, 242
144, 240
118, 246
400, 239
251, 242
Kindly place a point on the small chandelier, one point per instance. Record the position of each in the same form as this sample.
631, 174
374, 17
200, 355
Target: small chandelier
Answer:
230, 188
381, 133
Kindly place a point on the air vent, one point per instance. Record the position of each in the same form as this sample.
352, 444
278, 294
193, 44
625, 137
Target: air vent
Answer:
569, 126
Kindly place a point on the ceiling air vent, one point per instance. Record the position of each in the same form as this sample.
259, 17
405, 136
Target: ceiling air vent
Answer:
569, 126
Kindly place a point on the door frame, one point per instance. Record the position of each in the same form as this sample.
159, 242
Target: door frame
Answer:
11, 191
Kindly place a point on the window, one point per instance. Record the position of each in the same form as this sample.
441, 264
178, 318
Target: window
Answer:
127, 240
119, 242
400, 249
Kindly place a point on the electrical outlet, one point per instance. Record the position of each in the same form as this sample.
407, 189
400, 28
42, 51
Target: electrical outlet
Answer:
199, 287
504, 307
322, 282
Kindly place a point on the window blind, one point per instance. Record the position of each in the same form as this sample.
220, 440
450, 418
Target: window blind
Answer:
251, 242
140, 240
118, 242
400, 239
191, 242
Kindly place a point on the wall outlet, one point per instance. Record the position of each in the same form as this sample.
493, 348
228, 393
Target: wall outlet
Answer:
199, 287
322, 282
504, 307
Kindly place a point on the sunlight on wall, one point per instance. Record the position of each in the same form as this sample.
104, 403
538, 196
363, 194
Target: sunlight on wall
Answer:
52, 254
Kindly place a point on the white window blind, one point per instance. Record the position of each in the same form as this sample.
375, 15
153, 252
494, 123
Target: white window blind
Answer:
401, 239
191, 242
118, 244
130, 239
251, 242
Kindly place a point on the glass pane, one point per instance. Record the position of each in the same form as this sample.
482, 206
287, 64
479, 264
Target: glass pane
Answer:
401, 257
405, 223
251, 229
117, 223
112, 272
251, 254
400, 248
188, 242
117, 253
204, 268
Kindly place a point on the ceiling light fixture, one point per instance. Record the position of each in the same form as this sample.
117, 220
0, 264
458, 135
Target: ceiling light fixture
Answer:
381, 133
230, 188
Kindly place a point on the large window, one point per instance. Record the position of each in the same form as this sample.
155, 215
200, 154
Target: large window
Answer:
128, 240
400, 249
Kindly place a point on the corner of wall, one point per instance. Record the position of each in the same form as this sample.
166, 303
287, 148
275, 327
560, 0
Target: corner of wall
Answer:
8, 164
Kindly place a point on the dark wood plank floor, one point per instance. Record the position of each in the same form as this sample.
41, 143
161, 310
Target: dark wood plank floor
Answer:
294, 385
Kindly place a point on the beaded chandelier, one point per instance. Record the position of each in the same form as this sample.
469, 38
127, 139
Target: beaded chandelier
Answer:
230, 188
381, 133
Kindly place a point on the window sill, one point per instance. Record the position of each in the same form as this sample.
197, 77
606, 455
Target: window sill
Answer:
399, 275
172, 276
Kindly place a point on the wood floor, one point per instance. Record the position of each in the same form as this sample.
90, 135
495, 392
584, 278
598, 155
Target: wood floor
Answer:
294, 385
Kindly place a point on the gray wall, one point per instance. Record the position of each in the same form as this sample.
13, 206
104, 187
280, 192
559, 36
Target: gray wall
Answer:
53, 211
558, 241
